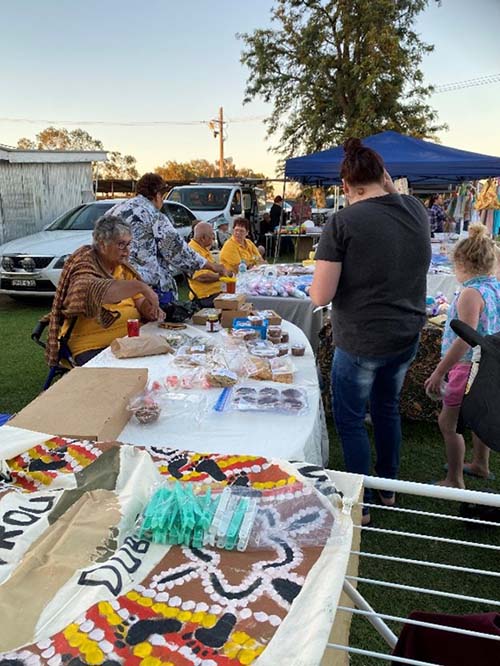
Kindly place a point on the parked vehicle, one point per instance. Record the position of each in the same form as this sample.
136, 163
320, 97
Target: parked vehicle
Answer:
226, 198
32, 265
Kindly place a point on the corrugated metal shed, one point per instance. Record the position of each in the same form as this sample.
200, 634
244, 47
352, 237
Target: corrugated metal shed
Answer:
38, 185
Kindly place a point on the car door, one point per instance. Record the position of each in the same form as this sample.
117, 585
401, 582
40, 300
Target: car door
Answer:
180, 216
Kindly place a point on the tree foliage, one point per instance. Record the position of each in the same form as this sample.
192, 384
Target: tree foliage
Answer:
119, 166
203, 169
338, 68
54, 138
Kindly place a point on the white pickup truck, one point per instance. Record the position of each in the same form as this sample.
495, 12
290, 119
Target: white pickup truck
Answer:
226, 198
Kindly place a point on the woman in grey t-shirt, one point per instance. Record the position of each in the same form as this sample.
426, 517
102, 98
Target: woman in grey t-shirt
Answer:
372, 264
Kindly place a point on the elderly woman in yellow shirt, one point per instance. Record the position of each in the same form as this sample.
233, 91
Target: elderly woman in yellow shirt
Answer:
97, 293
238, 248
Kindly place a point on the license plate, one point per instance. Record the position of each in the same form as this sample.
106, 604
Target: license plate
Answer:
24, 283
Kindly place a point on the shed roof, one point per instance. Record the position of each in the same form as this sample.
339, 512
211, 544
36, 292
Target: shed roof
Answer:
18, 156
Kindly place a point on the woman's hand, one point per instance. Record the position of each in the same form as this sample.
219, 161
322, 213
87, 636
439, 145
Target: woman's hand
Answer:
388, 184
433, 383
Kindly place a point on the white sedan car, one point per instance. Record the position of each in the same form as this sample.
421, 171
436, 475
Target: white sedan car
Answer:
32, 265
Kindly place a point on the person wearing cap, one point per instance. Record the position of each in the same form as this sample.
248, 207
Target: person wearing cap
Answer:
204, 284
157, 249
222, 232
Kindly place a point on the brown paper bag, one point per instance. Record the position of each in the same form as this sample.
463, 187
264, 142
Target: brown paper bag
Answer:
147, 345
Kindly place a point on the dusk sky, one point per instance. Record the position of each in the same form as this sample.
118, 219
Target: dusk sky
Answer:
179, 61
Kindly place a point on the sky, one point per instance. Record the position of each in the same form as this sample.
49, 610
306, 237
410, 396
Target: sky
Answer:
125, 61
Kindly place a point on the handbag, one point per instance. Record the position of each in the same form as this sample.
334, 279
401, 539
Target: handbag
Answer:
177, 312
479, 410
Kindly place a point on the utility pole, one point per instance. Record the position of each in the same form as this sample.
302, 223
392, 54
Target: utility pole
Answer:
221, 142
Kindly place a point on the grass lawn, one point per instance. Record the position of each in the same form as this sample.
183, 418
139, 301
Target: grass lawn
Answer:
23, 371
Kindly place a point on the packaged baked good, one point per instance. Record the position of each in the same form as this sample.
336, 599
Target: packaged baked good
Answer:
221, 378
282, 370
258, 368
145, 408
282, 349
268, 399
255, 320
285, 337
274, 331
298, 350
262, 349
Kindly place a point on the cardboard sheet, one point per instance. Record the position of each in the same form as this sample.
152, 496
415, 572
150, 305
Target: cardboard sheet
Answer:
87, 403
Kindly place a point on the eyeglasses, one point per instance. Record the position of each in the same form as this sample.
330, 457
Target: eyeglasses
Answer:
123, 245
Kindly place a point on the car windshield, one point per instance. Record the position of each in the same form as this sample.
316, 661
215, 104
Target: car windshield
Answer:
201, 198
81, 218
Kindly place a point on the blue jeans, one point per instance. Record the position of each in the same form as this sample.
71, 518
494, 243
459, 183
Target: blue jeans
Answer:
357, 380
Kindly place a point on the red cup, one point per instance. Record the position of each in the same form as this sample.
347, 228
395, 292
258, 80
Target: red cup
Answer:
133, 329
231, 287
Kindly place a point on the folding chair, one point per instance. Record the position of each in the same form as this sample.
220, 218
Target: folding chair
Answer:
65, 361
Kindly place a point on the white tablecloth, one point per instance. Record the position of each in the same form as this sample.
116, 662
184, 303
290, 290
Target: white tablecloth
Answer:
299, 311
272, 435
445, 282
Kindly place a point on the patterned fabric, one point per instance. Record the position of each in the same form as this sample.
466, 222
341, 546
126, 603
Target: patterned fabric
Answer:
157, 248
489, 319
80, 291
133, 602
437, 217
301, 212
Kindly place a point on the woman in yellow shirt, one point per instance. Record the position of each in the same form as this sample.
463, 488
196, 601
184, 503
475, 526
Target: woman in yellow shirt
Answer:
238, 248
97, 294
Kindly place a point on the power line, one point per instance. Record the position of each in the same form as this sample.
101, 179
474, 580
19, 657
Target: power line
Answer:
468, 83
446, 87
136, 123
139, 123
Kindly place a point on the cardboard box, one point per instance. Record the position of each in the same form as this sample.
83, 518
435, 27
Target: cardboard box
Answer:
273, 318
228, 316
86, 403
230, 301
200, 318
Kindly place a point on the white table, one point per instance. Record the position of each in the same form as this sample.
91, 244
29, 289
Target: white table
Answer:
299, 311
272, 435
445, 282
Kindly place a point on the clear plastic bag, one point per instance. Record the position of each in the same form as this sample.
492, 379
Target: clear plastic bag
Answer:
237, 517
151, 405
282, 370
291, 401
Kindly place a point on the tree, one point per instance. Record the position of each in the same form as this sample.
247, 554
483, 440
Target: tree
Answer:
338, 68
119, 166
203, 169
54, 138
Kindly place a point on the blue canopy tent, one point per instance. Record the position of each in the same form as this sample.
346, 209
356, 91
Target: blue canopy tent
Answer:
404, 156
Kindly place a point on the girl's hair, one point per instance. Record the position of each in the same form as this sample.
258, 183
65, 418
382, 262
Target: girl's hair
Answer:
361, 165
476, 254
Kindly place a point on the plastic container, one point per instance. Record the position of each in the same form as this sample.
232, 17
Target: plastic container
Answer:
298, 350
